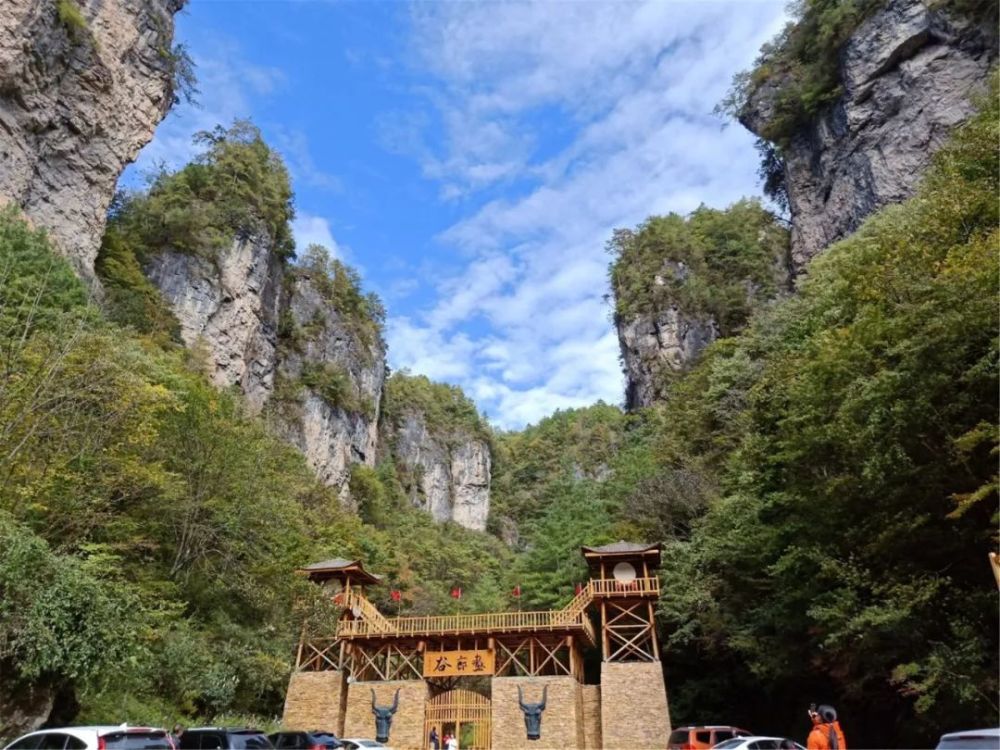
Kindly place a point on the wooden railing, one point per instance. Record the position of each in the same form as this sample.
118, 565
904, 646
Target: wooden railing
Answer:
602, 587
372, 619
487, 622
575, 609
369, 622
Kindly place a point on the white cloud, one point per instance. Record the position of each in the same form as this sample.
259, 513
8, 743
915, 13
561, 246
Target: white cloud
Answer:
314, 230
629, 90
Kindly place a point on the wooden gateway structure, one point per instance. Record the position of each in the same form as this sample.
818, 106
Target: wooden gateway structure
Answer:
482, 677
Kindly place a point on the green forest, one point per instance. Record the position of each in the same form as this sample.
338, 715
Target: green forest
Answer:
823, 479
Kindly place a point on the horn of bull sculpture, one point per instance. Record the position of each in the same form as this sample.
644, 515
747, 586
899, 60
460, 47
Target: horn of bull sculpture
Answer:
383, 717
532, 713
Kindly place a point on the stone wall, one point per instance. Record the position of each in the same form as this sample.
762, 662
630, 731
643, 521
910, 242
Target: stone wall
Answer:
562, 727
590, 698
314, 701
407, 729
634, 710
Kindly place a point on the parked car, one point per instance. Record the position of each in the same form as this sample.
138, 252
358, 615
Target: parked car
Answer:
759, 743
702, 738
970, 739
355, 743
224, 738
121, 737
314, 740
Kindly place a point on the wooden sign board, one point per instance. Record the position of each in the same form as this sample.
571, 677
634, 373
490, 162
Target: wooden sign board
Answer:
458, 663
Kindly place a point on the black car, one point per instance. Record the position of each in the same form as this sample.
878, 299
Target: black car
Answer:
224, 738
314, 740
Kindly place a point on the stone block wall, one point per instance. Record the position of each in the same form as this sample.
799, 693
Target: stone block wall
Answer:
315, 701
634, 710
590, 697
561, 724
407, 730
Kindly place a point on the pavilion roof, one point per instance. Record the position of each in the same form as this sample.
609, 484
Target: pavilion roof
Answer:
340, 569
622, 550
622, 547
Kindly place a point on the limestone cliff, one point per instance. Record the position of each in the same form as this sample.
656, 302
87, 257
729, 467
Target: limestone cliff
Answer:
441, 449
679, 283
331, 378
227, 306
80, 94
272, 330
907, 76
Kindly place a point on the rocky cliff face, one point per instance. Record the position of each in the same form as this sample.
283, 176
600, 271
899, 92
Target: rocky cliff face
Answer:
448, 475
227, 307
332, 382
656, 344
77, 102
907, 74
268, 330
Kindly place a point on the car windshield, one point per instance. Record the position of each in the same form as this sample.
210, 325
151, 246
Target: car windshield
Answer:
325, 738
155, 740
735, 742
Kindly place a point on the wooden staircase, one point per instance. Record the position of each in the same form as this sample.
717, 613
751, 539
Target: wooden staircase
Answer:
573, 611
363, 609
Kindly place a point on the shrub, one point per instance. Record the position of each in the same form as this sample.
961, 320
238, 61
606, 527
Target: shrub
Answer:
72, 19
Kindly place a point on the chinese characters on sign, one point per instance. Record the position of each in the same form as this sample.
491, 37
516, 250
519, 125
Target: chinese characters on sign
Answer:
458, 663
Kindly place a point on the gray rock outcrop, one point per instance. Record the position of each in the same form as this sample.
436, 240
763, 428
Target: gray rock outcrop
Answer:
909, 75
655, 345
76, 105
231, 305
227, 307
448, 475
333, 430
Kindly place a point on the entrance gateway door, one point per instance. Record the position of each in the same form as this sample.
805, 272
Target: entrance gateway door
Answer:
463, 713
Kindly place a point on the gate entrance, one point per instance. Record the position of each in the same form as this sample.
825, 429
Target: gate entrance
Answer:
462, 713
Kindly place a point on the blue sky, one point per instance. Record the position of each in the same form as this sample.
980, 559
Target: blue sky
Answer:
472, 158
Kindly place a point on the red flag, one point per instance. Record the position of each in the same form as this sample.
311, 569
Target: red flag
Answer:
456, 593
578, 588
396, 595
517, 590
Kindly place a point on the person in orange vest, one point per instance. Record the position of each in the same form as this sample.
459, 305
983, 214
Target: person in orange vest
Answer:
826, 733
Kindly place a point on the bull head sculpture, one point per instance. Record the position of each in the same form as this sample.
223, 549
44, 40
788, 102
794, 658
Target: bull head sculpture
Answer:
383, 717
532, 713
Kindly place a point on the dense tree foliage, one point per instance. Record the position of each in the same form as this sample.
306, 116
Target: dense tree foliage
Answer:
141, 508
716, 263
845, 556
446, 410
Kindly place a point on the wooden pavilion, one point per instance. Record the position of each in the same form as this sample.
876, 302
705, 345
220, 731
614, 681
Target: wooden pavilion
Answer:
444, 665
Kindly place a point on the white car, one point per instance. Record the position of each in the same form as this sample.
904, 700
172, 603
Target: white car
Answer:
971, 739
121, 737
759, 743
355, 743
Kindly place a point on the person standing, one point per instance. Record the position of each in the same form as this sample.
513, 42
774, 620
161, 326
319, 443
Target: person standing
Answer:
826, 733
434, 741
452, 743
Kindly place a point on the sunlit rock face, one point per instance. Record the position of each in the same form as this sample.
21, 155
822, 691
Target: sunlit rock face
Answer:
332, 434
229, 304
446, 474
76, 106
909, 75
